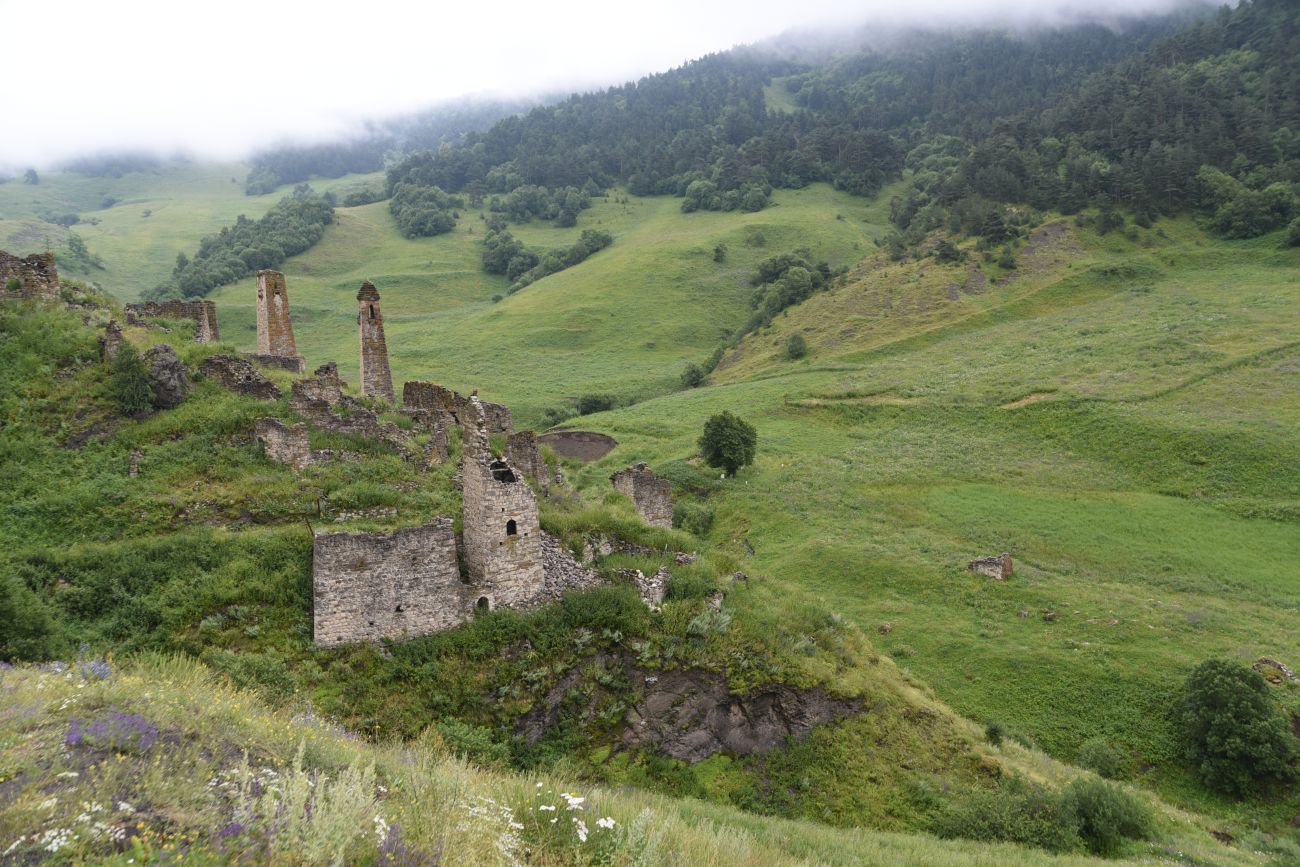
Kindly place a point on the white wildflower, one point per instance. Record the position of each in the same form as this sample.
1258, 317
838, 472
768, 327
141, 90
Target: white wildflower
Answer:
48, 803
54, 839
12, 846
539, 785
71, 775
582, 830
381, 829
607, 823
124, 807
547, 808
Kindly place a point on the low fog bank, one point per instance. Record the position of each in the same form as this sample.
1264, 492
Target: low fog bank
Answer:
158, 78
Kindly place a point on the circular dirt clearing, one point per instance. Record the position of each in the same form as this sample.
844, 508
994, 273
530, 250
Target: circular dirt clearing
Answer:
581, 444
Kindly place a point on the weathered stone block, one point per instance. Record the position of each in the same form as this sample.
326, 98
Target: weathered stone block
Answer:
35, 276
110, 342
999, 567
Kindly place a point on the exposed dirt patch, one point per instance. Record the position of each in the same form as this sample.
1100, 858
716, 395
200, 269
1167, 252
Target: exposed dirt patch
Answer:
885, 399
580, 444
1036, 397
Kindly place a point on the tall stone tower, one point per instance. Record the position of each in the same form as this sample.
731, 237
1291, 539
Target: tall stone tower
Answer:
274, 330
376, 378
503, 538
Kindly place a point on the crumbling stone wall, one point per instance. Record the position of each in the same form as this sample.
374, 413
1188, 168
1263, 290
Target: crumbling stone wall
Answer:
376, 378
401, 585
652, 495
455, 408
316, 399
110, 342
274, 328
293, 364
38, 278
502, 533
239, 376
522, 452
203, 313
283, 444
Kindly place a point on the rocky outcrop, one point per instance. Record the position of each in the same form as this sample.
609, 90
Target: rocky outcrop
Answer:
240, 376
167, 375
693, 714
999, 568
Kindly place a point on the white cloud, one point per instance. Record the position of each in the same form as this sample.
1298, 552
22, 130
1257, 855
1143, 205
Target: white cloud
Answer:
220, 78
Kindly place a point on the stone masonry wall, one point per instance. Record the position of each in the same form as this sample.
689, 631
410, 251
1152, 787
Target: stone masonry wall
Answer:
281, 443
418, 394
652, 495
274, 328
376, 378
502, 534
203, 313
522, 452
401, 585
37, 277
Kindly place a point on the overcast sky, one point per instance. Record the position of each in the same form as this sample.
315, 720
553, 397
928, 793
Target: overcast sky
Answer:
220, 78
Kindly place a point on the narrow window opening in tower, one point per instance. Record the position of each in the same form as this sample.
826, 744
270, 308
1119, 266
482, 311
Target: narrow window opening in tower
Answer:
512, 529
372, 311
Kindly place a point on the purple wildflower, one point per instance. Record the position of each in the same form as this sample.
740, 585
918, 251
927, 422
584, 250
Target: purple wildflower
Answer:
394, 852
117, 731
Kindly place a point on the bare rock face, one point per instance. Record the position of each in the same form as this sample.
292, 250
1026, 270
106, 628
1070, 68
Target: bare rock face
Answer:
692, 714
240, 376
171, 384
999, 568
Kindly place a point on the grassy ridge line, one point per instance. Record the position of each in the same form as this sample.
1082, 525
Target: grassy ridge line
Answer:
198, 729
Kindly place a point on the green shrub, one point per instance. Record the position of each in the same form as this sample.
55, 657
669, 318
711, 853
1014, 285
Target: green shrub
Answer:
129, 382
27, 627
693, 375
472, 742
589, 403
1014, 812
695, 518
689, 584
1107, 815
1293, 233
1233, 732
796, 347
994, 733
614, 608
1097, 754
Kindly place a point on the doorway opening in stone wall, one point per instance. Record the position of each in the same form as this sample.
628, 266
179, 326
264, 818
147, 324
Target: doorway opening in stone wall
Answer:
512, 529
484, 604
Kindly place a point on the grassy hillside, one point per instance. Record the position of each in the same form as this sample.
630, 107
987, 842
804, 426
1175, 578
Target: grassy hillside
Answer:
156, 760
1120, 416
153, 216
626, 321
206, 552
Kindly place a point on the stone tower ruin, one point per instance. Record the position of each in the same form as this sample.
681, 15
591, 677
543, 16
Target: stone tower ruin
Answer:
274, 330
33, 277
502, 535
376, 378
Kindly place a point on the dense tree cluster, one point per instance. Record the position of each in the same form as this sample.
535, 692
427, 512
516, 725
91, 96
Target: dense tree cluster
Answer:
503, 253
293, 225
422, 212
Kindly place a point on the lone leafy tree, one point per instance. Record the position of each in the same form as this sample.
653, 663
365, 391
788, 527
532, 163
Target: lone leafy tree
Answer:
728, 442
1234, 732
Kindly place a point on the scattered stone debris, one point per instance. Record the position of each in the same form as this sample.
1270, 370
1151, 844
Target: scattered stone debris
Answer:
999, 568
1273, 671
562, 570
715, 599
885, 628
133, 468
684, 559
240, 376
1049, 616
171, 384
1022, 613
652, 495
739, 577
653, 588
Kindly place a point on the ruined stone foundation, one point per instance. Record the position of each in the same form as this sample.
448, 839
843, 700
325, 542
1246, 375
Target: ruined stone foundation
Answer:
35, 275
652, 495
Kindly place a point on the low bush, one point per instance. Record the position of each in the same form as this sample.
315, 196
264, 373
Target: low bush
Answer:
1097, 754
1107, 815
1014, 812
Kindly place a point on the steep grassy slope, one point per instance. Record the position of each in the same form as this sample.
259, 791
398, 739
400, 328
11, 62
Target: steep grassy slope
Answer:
625, 321
155, 215
157, 761
1120, 417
